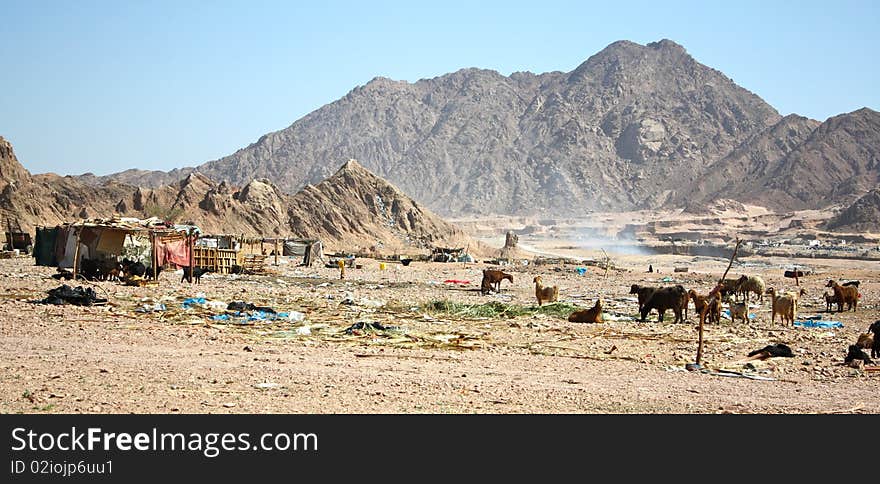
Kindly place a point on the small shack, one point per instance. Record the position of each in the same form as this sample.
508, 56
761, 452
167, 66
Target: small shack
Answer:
67, 246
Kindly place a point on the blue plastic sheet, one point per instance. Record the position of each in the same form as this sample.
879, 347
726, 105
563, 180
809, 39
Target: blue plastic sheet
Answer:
251, 316
188, 302
818, 324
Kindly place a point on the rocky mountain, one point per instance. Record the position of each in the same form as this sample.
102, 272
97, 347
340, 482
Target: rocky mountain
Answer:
861, 216
354, 209
620, 131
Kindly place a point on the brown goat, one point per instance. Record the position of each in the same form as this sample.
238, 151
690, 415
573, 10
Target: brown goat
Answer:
592, 315
492, 280
701, 303
830, 300
784, 305
848, 295
545, 294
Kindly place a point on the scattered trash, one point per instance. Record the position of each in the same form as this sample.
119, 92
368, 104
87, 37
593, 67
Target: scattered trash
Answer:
737, 374
296, 316
190, 301
304, 330
78, 296
456, 281
243, 306
356, 328
151, 308
581, 270
818, 324
769, 351
667, 279
726, 313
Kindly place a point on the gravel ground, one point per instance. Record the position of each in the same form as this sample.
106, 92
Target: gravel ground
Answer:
112, 359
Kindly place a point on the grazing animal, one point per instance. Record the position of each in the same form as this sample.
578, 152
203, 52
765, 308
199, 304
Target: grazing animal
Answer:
739, 310
545, 294
830, 300
109, 270
197, 273
663, 299
148, 273
729, 286
492, 280
875, 348
90, 269
848, 295
851, 283
712, 306
783, 305
133, 268
592, 315
748, 284
712, 309
644, 293
63, 274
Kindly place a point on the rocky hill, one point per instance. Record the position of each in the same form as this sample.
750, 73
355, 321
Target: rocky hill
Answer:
619, 131
354, 209
861, 216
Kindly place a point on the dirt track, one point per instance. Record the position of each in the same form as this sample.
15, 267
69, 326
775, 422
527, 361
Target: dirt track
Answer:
113, 360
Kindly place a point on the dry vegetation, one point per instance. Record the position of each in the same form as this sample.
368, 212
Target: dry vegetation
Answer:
401, 340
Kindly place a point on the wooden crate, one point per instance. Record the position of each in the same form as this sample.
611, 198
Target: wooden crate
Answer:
254, 263
218, 260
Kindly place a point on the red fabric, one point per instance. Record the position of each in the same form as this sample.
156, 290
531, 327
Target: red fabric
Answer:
174, 252
456, 281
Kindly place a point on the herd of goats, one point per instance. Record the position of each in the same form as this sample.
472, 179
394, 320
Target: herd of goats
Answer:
708, 306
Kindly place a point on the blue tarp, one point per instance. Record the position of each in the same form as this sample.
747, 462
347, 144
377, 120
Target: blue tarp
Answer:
818, 324
249, 316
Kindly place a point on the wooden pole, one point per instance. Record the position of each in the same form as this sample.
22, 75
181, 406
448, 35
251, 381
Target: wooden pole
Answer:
710, 302
276, 251
76, 254
154, 256
192, 261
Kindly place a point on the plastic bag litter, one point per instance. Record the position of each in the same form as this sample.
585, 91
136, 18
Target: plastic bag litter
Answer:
215, 305
192, 301
296, 316
151, 308
304, 330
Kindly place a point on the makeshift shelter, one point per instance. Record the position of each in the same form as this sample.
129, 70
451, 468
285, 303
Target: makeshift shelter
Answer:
66, 246
307, 250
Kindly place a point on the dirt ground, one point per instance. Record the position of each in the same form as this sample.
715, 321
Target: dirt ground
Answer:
112, 359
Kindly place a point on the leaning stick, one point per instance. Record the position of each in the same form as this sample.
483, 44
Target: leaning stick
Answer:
711, 301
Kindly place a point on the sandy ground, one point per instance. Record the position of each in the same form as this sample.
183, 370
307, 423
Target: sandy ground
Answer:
111, 359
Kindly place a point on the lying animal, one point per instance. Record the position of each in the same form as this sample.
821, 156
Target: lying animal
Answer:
856, 353
492, 280
777, 350
545, 294
197, 273
592, 315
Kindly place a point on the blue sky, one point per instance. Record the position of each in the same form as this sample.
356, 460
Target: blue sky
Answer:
106, 86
